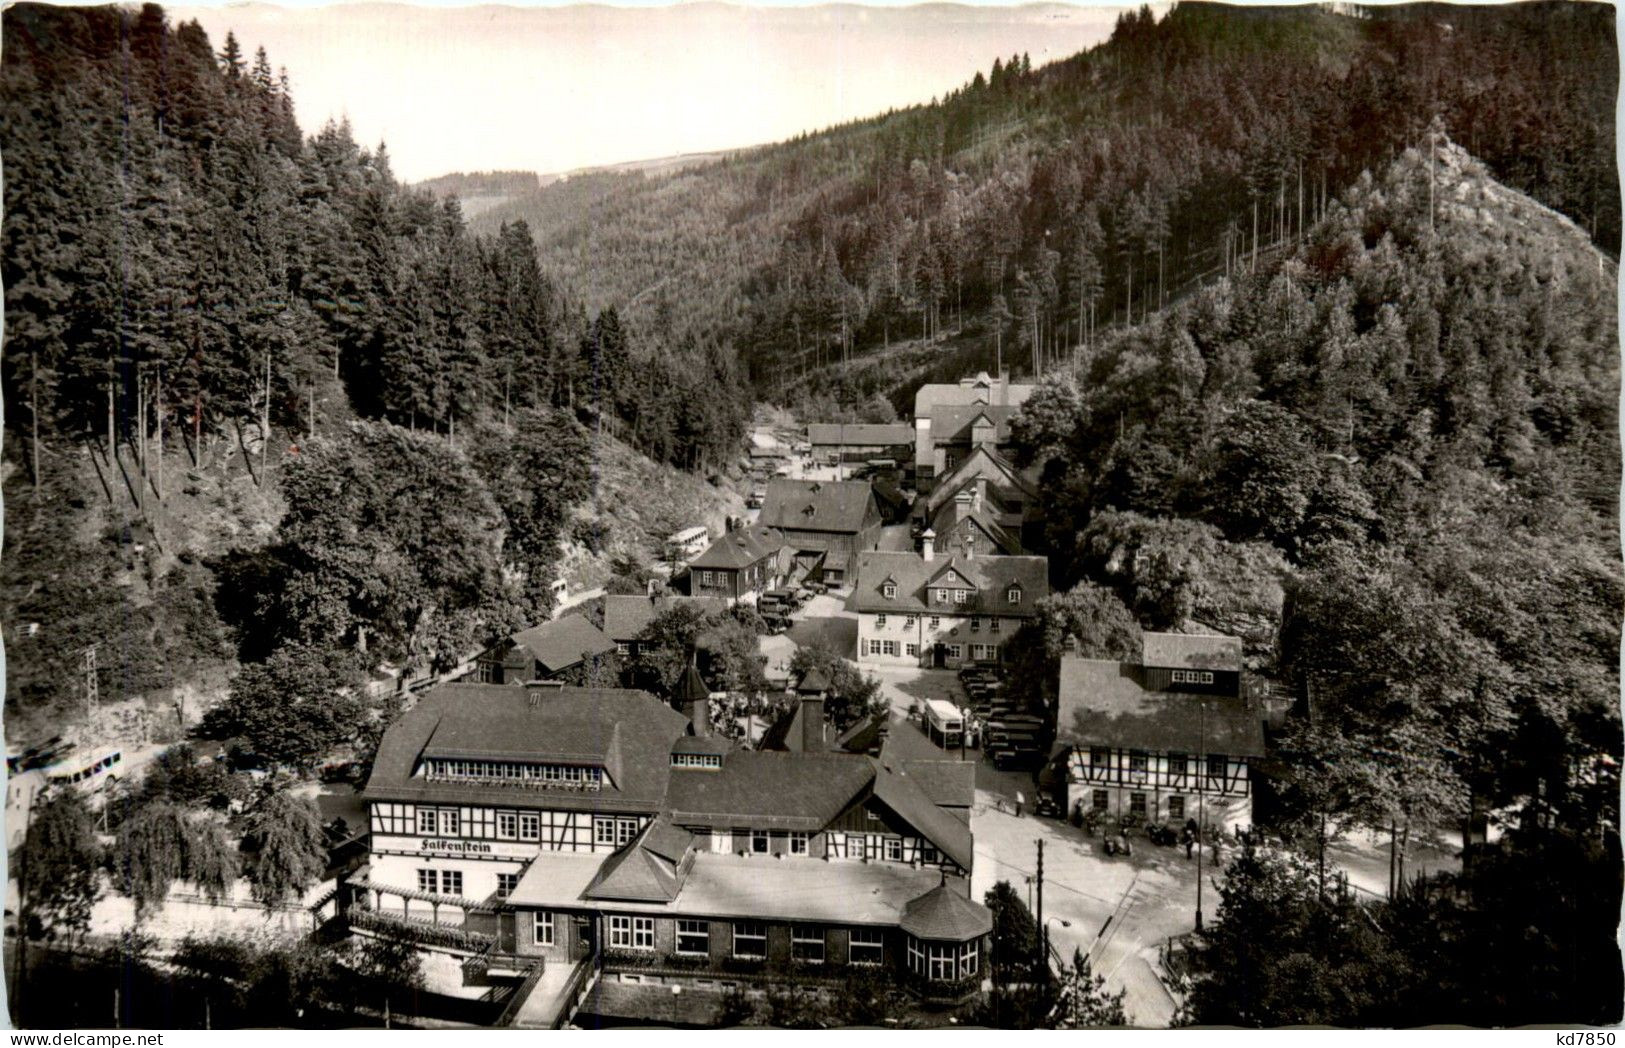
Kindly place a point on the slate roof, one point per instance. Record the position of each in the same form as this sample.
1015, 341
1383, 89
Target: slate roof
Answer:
860, 434
769, 790
717, 744
948, 784
990, 576
626, 617
1103, 703
979, 388
906, 796
984, 463
1187, 650
691, 687
630, 733
844, 506
650, 869
562, 643
952, 514
944, 914
956, 422
740, 549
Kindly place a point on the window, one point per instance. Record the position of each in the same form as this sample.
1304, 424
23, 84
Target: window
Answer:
1217, 765
956, 651
1176, 807
625, 831
758, 842
426, 821
1099, 800
936, 622
1138, 762
451, 882
428, 881
623, 648
960, 595
942, 596
506, 883
894, 849
798, 844
1099, 756
993, 625
807, 943
632, 933
874, 647
889, 590
969, 955
908, 622
913, 650
1136, 804
530, 826
694, 938
750, 939
1193, 676
448, 822
488, 672
1176, 764
1013, 595
975, 623
889, 647
544, 928
868, 946
603, 831
880, 622
507, 825
943, 959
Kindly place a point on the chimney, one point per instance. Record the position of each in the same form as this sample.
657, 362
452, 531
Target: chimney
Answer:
702, 716
812, 723
928, 544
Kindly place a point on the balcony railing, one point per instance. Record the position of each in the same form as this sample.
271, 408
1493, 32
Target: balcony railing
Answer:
424, 933
523, 784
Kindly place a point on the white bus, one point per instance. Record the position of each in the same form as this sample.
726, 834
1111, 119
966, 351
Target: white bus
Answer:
687, 544
89, 773
944, 723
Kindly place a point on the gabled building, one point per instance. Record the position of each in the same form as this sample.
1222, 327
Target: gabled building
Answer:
953, 420
666, 858
987, 482
859, 441
1164, 740
824, 523
741, 565
918, 609
626, 617
542, 652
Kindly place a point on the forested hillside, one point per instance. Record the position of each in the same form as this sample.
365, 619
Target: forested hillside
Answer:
1390, 459
1036, 206
236, 353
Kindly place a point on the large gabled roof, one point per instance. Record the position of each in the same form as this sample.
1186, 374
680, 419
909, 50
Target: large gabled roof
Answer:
981, 388
628, 733
769, 790
957, 422
859, 434
740, 549
906, 796
992, 577
950, 516
1105, 703
842, 506
562, 643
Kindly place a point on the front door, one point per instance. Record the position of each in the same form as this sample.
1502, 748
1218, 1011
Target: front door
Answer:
585, 935
505, 935
940, 656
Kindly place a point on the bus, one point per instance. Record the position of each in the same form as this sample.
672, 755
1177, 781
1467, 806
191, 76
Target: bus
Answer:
90, 772
944, 723
687, 544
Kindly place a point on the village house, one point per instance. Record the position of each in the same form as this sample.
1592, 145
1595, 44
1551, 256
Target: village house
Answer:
953, 419
741, 565
985, 496
1164, 740
824, 524
919, 609
627, 616
860, 441
541, 652
601, 828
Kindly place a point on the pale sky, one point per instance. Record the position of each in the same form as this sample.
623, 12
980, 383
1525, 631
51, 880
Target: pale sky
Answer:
553, 89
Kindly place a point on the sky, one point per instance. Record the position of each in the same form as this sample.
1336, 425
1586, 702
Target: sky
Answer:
554, 89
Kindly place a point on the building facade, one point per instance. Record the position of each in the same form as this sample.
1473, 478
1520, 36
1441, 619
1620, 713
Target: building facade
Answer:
1168, 739
921, 609
824, 524
741, 565
951, 420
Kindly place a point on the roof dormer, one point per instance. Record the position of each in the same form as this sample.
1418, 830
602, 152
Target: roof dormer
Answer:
888, 588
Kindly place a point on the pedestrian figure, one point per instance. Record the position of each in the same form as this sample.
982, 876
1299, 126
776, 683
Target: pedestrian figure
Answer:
1122, 842
1020, 800
1190, 841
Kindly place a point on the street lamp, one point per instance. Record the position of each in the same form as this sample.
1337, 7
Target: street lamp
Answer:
1047, 922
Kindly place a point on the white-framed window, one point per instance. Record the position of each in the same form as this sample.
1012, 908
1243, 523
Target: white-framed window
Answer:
750, 939
427, 823
960, 595
955, 651
880, 622
975, 622
632, 933
942, 596
506, 883
913, 650
936, 622
1193, 676
908, 621
507, 825
1013, 595
889, 647
1138, 761
694, 938
451, 882
623, 647
544, 928
449, 822
1177, 764
894, 849
798, 843
867, 946
943, 960
603, 830
807, 943
993, 624
889, 590
1136, 804
429, 881
1176, 807
530, 826
969, 959
758, 842
625, 830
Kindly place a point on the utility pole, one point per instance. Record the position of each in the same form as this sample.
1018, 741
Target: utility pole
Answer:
1043, 935
92, 697
1201, 801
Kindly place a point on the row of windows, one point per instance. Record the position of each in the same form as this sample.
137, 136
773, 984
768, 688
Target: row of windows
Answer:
808, 943
1193, 676
943, 962
696, 760
935, 623
512, 771
1138, 805
558, 831
877, 847
1175, 763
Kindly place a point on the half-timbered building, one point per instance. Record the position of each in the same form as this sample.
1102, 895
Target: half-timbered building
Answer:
824, 523
1167, 739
